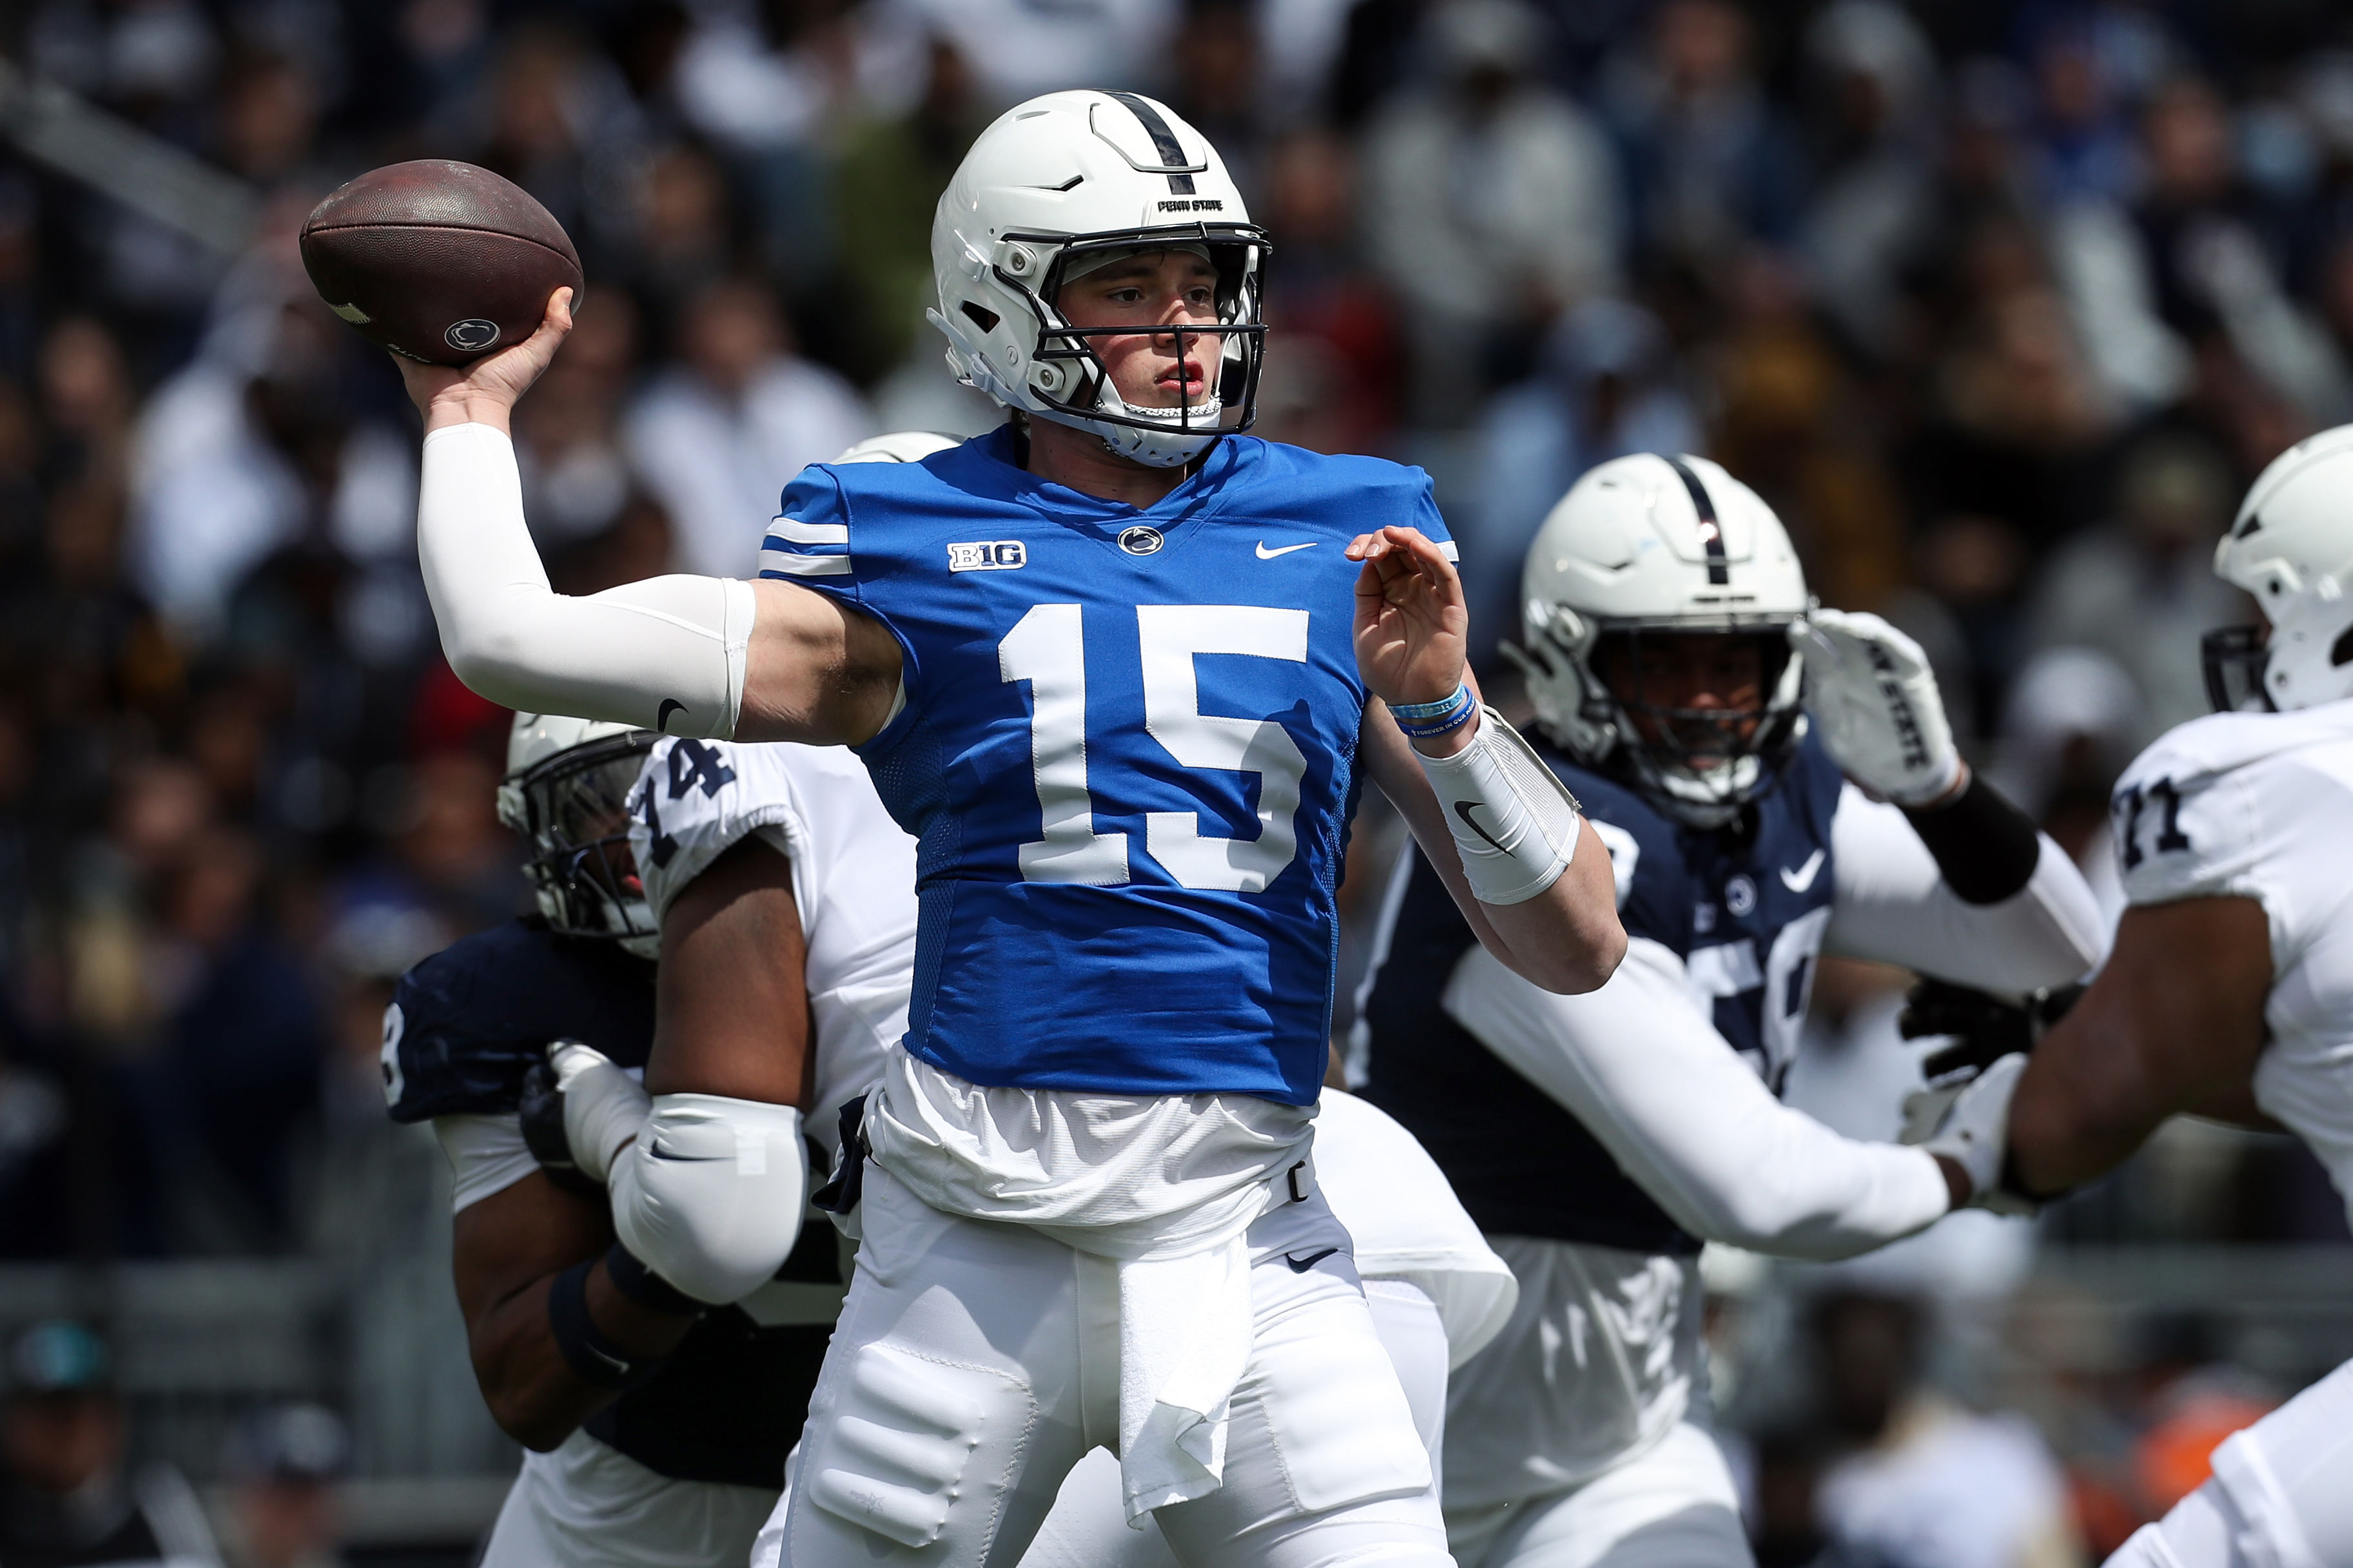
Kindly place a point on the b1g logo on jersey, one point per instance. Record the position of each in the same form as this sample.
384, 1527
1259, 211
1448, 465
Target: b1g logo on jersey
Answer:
988, 555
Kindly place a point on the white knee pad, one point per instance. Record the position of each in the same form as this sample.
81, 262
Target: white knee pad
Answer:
907, 1447
711, 1195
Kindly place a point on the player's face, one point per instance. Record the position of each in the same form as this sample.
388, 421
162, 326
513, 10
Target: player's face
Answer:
1166, 289
1700, 694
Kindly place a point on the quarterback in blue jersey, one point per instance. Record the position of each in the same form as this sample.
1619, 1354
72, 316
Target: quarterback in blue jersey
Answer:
1121, 668
1600, 1139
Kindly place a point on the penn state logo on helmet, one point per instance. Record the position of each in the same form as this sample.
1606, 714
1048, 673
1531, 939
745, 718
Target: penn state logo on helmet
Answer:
1061, 185
1649, 545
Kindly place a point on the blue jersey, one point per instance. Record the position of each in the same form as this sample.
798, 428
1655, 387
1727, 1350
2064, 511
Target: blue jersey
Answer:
1744, 907
728, 1403
1128, 752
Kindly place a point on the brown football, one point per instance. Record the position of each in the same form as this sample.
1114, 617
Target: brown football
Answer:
437, 261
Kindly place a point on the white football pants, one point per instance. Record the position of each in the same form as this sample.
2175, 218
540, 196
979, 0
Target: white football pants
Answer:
1671, 1506
977, 1363
2281, 1495
584, 1505
1089, 1528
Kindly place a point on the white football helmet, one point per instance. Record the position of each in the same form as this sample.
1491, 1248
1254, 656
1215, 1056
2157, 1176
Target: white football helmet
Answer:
1069, 178
1651, 543
566, 795
2291, 547
900, 447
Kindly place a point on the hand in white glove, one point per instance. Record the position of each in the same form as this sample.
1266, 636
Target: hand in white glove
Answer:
603, 1107
1871, 690
1968, 1123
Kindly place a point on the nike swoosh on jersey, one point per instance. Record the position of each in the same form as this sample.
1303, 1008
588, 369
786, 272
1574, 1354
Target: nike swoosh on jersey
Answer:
1798, 880
1463, 810
1302, 1265
1266, 554
662, 714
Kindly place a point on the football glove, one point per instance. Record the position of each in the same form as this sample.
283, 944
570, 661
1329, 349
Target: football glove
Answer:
603, 1108
1974, 1133
1985, 1027
541, 1109
1870, 691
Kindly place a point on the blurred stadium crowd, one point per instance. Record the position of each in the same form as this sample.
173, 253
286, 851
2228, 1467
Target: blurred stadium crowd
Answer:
1999, 305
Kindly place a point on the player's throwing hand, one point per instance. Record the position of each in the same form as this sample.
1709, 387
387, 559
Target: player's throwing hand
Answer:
1412, 623
482, 392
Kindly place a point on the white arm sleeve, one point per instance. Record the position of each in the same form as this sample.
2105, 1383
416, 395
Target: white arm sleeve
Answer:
711, 1196
1894, 906
1642, 1067
664, 653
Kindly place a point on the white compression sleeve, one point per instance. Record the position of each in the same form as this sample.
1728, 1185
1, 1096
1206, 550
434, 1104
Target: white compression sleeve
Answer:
665, 654
1894, 906
1515, 823
1648, 1076
711, 1195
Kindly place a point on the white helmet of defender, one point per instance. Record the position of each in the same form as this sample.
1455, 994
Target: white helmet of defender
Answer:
2291, 547
1655, 544
566, 796
1072, 179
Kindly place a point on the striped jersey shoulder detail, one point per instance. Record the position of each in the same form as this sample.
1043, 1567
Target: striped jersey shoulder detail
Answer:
796, 549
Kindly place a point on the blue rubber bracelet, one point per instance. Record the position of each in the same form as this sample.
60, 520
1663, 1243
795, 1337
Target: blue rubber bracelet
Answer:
1438, 710
1460, 714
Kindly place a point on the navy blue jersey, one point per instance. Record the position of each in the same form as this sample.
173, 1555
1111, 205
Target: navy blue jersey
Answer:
466, 1022
1128, 752
1744, 907
729, 1402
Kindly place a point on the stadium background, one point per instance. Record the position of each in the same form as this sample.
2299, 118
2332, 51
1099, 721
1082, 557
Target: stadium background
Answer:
1999, 305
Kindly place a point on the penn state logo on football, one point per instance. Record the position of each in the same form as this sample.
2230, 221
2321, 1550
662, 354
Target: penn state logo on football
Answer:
1141, 541
471, 335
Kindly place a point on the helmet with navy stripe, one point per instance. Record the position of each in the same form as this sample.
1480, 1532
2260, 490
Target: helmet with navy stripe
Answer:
566, 796
2291, 548
1056, 186
1654, 545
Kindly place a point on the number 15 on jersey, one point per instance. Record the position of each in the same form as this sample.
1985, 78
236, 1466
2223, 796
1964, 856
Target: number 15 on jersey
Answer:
1047, 649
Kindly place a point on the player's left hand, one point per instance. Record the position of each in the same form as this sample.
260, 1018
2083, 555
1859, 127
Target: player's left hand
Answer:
1869, 689
1412, 627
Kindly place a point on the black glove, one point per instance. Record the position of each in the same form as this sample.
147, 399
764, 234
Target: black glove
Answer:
1986, 1027
541, 1109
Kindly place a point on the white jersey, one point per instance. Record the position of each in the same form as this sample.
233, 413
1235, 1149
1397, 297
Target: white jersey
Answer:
853, 879
2255, 805
1407, 1223
853, 875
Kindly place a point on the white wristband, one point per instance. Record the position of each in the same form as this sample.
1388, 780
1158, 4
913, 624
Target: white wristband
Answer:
1515, 823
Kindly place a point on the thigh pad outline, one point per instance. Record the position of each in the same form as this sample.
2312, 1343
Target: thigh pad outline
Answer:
913, 1440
